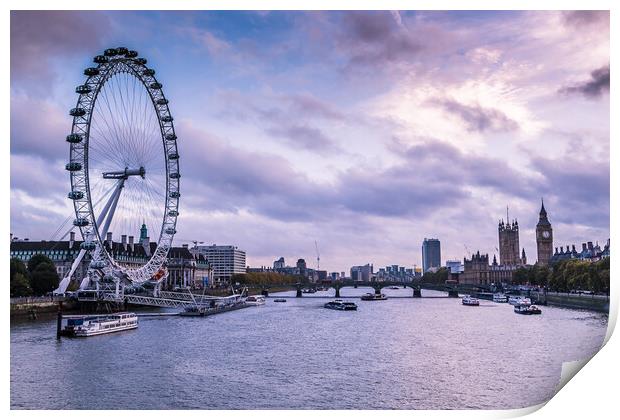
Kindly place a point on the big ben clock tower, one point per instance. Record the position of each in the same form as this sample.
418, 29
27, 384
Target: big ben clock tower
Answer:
544, 237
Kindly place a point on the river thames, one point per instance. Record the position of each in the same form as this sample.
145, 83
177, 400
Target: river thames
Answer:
429, 353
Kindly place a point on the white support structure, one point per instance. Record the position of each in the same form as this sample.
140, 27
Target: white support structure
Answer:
62, 287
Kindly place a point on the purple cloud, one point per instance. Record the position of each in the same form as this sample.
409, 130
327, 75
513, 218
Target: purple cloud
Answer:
40, 38
478, 118
593, 88
374, 38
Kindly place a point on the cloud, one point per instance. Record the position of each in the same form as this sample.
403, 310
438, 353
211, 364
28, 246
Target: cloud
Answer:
292, 117
593, 88
375, 38
39, 128
39, 39
580, 18
308, 138
308, 105
478, 118
580, 187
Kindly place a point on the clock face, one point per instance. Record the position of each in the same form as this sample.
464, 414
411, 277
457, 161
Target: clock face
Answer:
546, 234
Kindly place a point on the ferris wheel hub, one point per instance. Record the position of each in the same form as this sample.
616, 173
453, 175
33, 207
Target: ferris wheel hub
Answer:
125, 173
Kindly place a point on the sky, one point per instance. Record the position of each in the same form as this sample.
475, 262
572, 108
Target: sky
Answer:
363, 131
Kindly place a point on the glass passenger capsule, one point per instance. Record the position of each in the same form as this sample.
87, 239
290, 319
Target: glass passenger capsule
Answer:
73, 166
175, 194
100, 59
173, 213
82, 89
155, 85
170, 231
141, 60
131, 54
167, 118
88, 245
80, 222
173, 156
77, 112
148, 72
162, 101
91, 71
74, 138
75, 195
122, 51
175, 175
97, 264
110, 52
171, 137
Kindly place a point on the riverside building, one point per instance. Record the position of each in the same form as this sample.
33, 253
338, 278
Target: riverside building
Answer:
184, 269
226, 260
431, 254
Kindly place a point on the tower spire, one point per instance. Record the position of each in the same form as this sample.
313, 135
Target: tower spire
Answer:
543, 212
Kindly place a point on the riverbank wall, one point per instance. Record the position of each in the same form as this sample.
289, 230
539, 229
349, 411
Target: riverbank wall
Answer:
590, 302
33, 307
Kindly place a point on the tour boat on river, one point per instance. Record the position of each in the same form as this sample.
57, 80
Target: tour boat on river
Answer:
194, 311
341, 305
519, 300
470, 301
374, 296
255, 300
89, 325
500, 297
527, 310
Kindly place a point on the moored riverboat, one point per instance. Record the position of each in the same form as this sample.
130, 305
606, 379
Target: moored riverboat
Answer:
500, 298
255, 300
193, 311
374, 296
341, 305
470, 301
89, 325
527, 310
519, 300
279, 300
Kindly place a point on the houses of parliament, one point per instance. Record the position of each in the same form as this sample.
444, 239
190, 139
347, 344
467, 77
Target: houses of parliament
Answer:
477, 270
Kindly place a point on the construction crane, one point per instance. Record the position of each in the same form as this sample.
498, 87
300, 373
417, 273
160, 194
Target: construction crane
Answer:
318, 256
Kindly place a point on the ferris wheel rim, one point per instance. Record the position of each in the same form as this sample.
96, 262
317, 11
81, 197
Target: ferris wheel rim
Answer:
113, 62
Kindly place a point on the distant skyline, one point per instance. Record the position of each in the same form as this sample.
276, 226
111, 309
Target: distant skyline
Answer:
364, 131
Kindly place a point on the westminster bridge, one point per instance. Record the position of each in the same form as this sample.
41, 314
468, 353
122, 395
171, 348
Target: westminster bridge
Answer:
452, 290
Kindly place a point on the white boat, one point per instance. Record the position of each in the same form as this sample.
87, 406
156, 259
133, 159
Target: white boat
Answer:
500, 297
519, 300
340, 305
255, 300
374, 296
527, 310
470, 301
102, 324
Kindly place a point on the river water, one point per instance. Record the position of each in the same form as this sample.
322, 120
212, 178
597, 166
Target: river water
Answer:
429, 353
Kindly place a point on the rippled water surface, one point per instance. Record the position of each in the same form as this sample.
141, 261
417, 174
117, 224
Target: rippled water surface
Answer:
428, 353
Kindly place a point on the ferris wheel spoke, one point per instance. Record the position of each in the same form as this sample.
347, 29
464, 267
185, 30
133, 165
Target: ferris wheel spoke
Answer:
113, 141
129, 137
122, 127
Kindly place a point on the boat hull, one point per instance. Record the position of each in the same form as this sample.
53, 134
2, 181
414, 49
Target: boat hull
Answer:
370, 298
80, 333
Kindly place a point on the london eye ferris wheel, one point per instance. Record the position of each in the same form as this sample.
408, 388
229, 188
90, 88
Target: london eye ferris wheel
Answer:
123, 166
